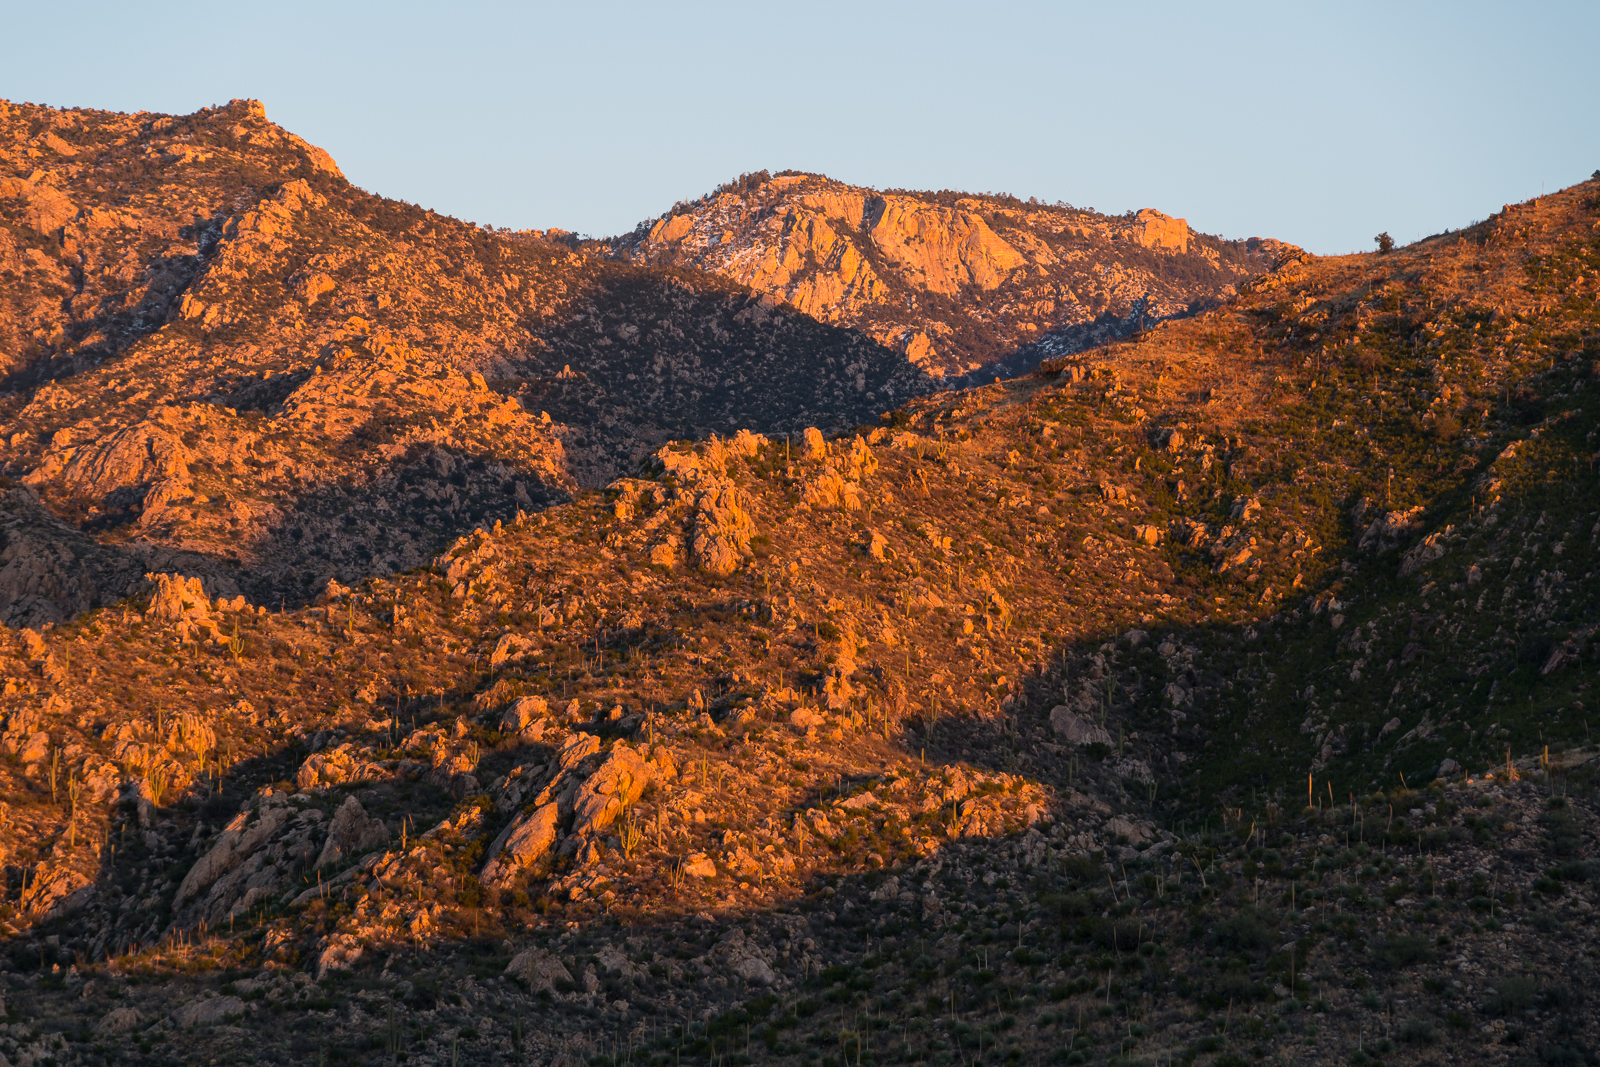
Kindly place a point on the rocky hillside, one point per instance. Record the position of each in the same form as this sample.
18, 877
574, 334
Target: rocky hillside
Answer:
967, 286
220, 355
1215, 697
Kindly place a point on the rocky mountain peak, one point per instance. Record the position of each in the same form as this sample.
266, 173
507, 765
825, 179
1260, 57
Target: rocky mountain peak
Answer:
958, 282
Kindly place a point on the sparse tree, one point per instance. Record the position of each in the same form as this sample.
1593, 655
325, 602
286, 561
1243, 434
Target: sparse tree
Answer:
1385, 242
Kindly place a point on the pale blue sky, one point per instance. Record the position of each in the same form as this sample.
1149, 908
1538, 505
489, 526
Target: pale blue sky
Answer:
1319, 124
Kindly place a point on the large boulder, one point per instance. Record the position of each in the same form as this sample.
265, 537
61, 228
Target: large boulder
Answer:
208, 1012
183, 602
1154, 230
816, 446
606, 793
1077, 729
805, 718
148, 453
238, 841
744, 959
753, 969
525, 718
539, 969
339, 953
57, 893
510, 648
118, 1021
579, 747
520, 845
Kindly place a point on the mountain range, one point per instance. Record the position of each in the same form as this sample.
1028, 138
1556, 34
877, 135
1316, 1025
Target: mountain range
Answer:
823, 626
220, 355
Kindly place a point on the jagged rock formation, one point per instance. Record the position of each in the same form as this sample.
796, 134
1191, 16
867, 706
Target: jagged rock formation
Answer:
957, 282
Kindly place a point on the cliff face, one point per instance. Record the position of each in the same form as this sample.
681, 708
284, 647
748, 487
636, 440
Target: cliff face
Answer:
214, 345
958, 283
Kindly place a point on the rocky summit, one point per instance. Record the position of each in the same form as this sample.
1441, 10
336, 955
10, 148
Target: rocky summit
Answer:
969, 287
443, 645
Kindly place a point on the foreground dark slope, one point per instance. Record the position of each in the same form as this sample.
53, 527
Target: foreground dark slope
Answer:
983, 735
221, 357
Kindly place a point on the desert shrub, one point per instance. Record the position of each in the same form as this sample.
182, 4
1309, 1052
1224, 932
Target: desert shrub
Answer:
1566, 1054
1247, 931
1233, 988
1121, 936
1418, 1032
1560, 997
1510, 996
1565, 835
1405, 950
1083, 870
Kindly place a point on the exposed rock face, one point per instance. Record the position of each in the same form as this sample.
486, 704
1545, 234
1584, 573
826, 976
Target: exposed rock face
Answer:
510, 647
134, 457
881, 825
591, 791
579, 747
51, 571
1154, 230
339, 765
525, 718
521, 844
57, 893
816, 446
956, 282
1388, 528
241, 839
720, 525
744, 959
240, 359
616, 784
182, 602
722, 528
838, 482
340, 952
